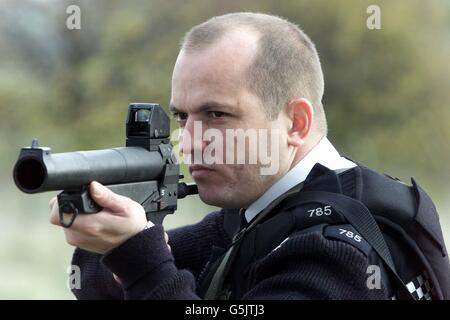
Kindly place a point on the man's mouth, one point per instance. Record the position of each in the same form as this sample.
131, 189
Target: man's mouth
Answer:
200, 171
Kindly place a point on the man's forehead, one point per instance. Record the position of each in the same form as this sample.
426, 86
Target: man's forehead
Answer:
212, 76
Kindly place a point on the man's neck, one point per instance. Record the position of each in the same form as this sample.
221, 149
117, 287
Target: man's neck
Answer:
301, 154
323, 152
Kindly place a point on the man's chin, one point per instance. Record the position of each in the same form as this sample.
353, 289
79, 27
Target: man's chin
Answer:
218, 197
212, 195
208, 195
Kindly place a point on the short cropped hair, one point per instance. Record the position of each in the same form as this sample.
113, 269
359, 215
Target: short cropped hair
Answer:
286, 65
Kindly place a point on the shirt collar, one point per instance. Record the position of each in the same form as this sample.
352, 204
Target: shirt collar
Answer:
323, 153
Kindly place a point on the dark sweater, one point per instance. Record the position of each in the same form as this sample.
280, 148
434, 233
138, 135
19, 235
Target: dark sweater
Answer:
307, 266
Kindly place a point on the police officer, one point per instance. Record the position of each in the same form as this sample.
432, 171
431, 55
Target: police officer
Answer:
236, 71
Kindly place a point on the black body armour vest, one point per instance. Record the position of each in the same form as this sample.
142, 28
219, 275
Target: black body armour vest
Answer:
396, 226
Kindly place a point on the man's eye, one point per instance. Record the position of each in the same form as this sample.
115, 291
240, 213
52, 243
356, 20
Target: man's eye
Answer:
216, 114
180, 116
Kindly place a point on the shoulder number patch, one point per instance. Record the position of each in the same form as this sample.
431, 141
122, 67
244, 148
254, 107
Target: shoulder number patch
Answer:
347, 233
327, 210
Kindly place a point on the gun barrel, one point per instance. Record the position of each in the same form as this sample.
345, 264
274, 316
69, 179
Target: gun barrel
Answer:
37, 170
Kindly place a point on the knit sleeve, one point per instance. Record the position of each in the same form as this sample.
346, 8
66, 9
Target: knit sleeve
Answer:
191, 247
147, 270
96, 281
310, 266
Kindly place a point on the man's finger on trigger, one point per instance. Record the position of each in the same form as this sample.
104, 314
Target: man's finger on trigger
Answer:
52, 202
54, 216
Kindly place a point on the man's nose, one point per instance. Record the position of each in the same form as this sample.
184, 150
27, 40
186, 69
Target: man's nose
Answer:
192, 137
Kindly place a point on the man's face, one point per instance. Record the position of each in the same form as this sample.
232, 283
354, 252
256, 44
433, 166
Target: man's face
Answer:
208, 89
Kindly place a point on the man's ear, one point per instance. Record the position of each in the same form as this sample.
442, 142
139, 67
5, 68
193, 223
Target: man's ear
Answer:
301, 114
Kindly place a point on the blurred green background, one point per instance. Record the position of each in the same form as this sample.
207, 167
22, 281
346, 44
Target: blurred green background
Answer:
386, 97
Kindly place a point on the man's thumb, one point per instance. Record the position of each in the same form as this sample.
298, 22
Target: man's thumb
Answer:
106, 198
